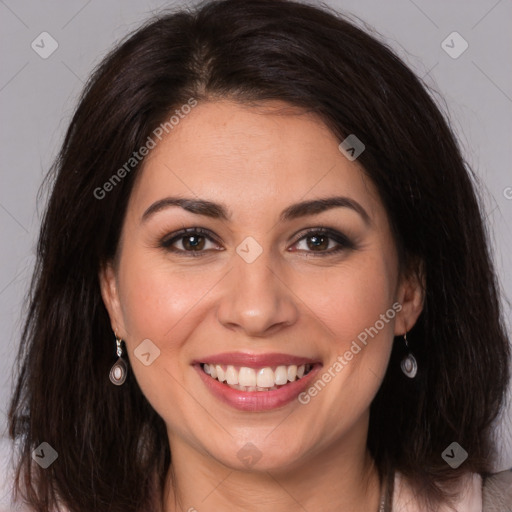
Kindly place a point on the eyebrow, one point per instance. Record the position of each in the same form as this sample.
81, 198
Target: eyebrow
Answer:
217, 211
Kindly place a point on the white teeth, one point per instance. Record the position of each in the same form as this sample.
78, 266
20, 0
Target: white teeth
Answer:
250, 379
231, 375
281, 375
220, 373
247, 377
292, 372
265, 378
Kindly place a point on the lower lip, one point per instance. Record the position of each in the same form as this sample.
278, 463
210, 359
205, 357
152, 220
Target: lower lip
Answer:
256, 401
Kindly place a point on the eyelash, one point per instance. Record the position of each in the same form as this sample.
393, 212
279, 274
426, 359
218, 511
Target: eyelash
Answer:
344, 243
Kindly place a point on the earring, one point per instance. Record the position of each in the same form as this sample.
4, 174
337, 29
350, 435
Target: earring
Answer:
409, 364
119, 370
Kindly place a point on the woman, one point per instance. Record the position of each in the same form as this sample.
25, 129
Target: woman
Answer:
263, 282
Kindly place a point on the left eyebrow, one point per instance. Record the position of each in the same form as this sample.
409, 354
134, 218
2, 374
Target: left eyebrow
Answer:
320, 205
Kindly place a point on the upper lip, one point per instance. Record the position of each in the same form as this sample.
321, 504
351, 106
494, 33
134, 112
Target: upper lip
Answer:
255, 360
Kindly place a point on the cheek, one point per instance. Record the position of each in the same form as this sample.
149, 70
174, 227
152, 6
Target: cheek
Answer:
355, 302
351, 297
157, 300
162, 306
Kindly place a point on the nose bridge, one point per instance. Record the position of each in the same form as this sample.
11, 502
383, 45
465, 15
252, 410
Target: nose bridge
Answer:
255, 298
256, 280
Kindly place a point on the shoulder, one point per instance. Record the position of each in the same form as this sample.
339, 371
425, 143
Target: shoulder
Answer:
497, 492
470, 499
491, 493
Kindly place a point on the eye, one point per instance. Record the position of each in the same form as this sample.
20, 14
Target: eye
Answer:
191, 240
197, 241
324, 241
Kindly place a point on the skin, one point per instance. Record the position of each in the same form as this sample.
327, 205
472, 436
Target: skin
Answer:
294, 299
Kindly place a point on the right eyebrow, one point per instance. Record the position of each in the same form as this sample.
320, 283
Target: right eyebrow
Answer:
197, 206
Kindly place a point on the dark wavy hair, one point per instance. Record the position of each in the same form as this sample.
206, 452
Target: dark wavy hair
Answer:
113, 451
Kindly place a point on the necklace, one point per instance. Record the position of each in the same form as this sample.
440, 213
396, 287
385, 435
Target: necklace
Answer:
382, 503
382, 500
383, 496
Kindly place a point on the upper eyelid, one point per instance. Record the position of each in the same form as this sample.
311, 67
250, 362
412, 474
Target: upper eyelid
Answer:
176, 235
318, 229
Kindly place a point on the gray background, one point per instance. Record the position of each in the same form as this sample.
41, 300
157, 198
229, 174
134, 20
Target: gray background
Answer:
37, 97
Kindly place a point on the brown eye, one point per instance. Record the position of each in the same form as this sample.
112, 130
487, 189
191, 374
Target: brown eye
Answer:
317, 242
323, 241
193, 241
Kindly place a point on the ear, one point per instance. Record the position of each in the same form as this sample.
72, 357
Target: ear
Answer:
411, 295
110, 296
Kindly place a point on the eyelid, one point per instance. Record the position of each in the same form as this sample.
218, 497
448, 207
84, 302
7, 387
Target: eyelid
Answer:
343, 241
167, 241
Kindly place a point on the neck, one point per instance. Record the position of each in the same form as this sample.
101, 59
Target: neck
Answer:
339, 479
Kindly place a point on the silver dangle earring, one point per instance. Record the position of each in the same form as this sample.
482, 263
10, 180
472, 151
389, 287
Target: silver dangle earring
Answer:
409, 364
119, 370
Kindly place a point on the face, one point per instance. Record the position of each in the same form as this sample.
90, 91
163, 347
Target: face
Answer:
277, 271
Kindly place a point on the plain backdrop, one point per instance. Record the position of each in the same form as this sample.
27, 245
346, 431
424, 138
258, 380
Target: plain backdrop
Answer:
38, 95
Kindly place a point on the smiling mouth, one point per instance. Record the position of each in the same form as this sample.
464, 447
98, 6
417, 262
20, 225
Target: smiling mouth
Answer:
243, 378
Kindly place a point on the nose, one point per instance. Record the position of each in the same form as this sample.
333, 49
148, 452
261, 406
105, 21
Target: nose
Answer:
256, 299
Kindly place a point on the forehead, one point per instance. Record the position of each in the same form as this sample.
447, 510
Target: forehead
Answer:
264, 156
